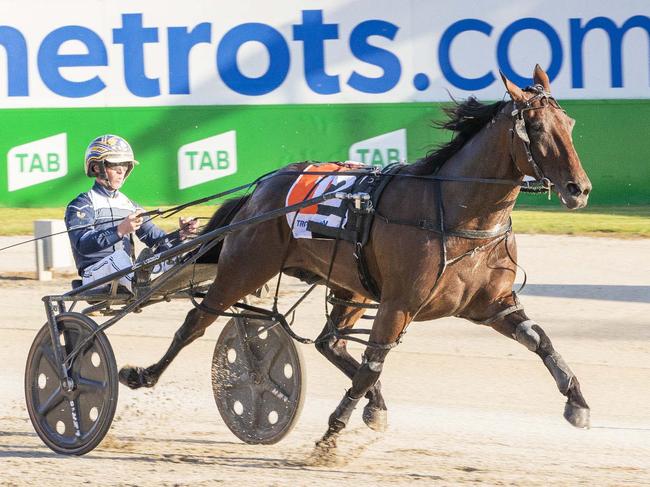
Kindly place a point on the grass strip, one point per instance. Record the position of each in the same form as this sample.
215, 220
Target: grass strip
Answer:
608, 221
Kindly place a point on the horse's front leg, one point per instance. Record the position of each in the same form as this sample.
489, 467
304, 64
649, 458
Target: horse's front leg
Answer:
527, 332
388, 326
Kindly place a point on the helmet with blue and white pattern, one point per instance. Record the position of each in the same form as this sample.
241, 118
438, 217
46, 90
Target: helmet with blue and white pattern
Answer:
111, 149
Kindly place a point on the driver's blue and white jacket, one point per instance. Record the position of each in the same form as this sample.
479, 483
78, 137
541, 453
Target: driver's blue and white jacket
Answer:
103, 210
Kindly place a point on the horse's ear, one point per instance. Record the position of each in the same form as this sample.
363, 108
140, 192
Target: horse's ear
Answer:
515, 92
541, 78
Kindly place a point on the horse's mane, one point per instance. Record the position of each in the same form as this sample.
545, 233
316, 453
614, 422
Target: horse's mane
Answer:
465, 119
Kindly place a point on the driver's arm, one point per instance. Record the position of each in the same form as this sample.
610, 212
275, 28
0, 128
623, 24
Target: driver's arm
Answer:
84, 237
150, 234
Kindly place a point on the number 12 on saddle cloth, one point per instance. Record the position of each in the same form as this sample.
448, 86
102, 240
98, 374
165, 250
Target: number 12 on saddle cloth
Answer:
331, 213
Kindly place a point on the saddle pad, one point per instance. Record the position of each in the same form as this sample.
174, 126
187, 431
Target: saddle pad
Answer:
331, 213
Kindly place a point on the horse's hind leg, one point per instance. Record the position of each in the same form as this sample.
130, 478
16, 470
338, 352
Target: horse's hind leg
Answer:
530, 334
388, 326
233, 282
335, 350
192, 328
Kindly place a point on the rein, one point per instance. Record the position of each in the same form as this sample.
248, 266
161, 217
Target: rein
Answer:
528, 187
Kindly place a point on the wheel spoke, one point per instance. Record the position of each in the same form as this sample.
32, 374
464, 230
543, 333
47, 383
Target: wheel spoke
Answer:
271, 355
51, 402
256, 406
76, 418
244, 347
89, 385
48, 353
232, 388
276, 389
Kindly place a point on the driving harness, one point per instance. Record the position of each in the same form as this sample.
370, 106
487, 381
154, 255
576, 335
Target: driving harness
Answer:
361, 213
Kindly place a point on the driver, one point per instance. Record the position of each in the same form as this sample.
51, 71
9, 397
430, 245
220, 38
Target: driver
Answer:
108, 219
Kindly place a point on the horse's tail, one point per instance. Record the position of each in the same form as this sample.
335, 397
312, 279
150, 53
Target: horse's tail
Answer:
222, 217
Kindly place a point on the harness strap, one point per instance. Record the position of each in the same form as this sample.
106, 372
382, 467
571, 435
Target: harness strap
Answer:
347, 334
431, 226
278, 318
261, 313
503, 313
352, 304
480, 248
519, 128
363, 236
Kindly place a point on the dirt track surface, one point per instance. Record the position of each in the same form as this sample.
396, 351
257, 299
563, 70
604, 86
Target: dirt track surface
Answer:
466, 405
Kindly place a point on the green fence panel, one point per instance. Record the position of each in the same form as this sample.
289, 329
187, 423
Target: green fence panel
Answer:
612, 138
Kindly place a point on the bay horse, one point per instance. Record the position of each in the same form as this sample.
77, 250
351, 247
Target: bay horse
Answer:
462, 264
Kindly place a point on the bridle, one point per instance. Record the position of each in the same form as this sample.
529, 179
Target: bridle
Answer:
519, 129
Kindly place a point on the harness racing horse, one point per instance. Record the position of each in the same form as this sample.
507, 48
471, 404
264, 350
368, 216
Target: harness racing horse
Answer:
439, 246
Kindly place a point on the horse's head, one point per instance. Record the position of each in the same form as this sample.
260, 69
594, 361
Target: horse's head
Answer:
542, 142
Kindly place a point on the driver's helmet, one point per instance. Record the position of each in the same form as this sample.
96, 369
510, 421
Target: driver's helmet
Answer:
109, 149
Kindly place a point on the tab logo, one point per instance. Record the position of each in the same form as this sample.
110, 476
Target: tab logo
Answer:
37, 162
381, 150
207, 159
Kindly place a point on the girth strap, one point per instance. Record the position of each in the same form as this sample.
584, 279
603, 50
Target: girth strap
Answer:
366, 225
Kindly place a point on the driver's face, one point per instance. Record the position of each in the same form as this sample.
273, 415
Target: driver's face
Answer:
115, 174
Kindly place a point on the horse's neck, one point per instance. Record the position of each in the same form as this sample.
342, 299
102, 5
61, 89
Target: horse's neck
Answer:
474, 205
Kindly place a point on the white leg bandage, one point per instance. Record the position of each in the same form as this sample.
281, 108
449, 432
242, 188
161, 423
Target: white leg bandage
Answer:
525, 335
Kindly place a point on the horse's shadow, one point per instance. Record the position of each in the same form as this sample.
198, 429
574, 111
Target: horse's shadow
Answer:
600, 292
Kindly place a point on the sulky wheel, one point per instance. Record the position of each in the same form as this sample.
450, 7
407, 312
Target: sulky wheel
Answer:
71, 422
257, 380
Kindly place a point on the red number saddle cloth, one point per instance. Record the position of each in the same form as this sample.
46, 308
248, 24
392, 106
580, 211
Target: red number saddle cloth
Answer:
308, 222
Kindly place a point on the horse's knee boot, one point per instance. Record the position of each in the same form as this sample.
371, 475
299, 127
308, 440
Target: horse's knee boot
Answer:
531, 335
527, 336
369, 372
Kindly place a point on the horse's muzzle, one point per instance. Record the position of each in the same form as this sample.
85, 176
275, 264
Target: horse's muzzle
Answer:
575, 195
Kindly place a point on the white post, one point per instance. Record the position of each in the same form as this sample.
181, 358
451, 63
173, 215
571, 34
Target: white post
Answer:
52, 252
41, 273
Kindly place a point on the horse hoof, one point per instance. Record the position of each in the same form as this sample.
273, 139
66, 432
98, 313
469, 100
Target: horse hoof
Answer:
376, 419
135, 377
576, 415
324, 453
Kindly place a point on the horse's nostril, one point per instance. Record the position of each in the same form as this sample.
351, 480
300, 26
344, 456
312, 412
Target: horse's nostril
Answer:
574, 189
